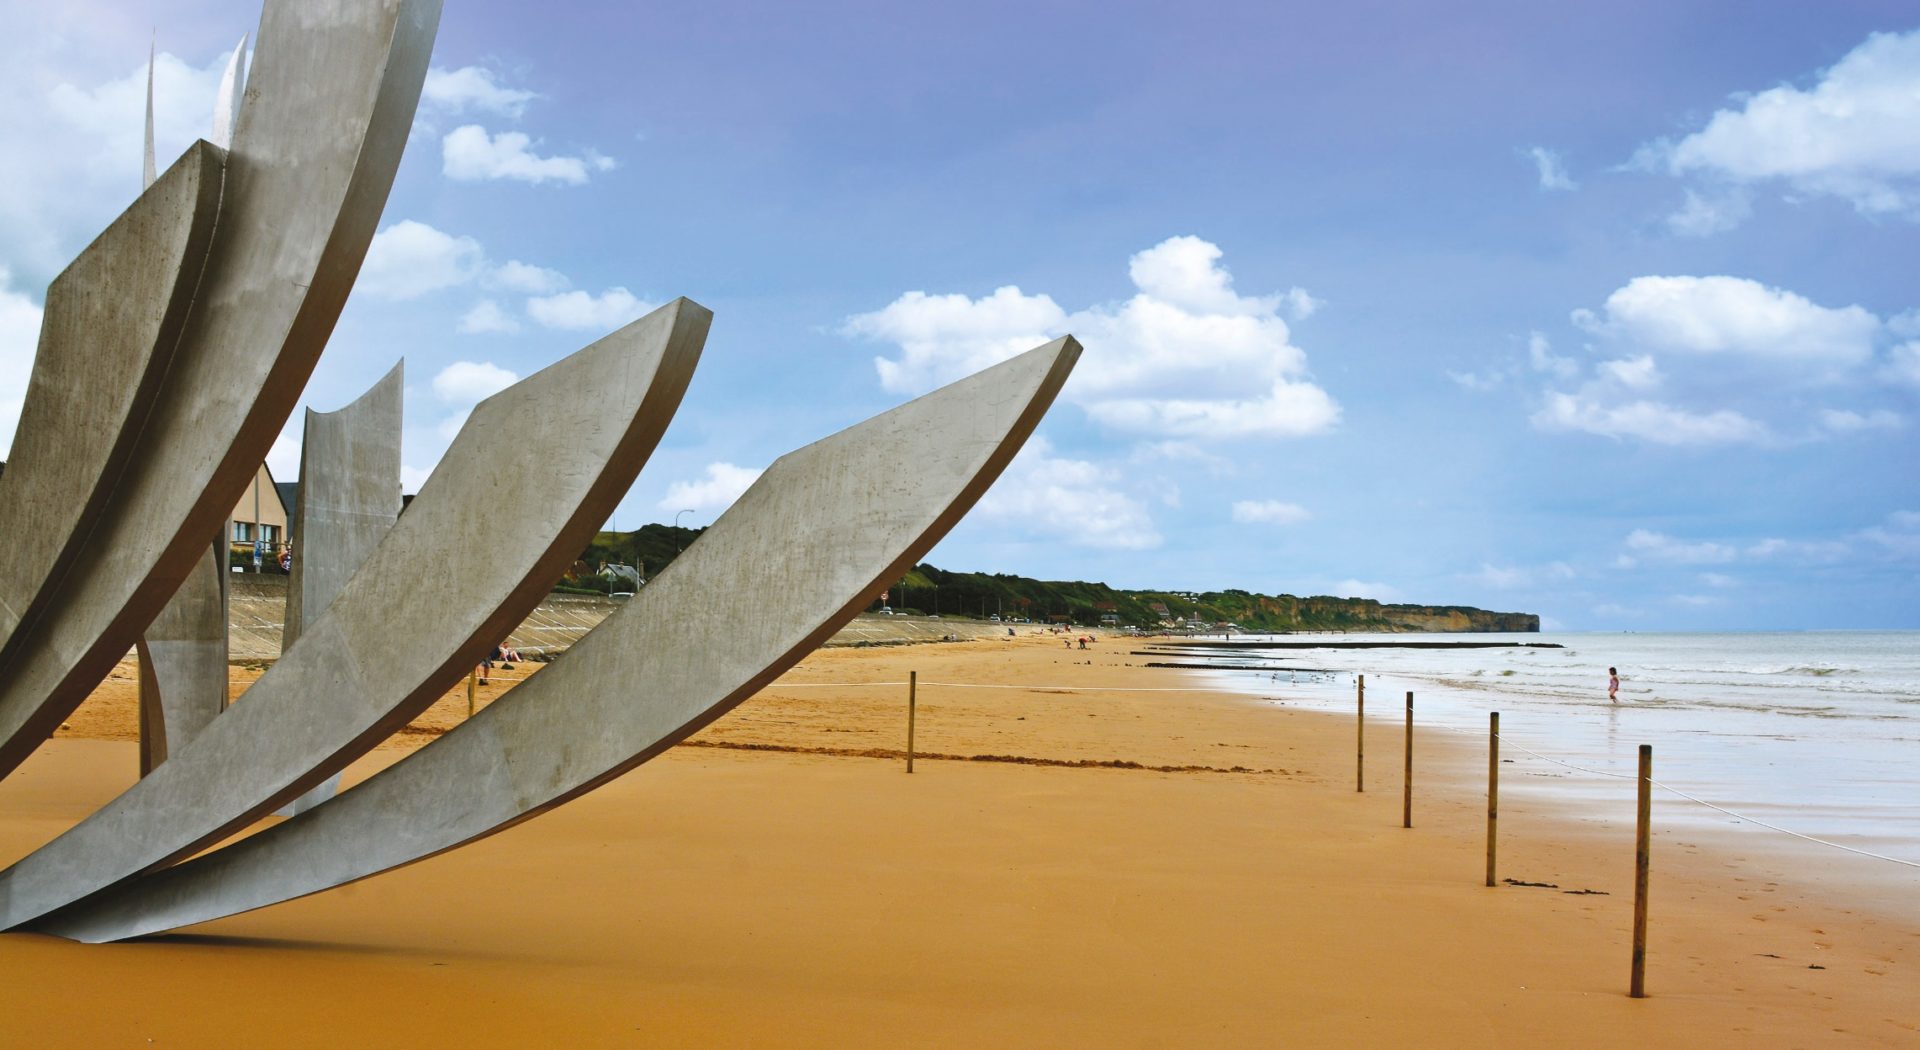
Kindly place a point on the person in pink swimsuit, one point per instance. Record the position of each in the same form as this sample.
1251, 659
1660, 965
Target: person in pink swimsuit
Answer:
1613, 684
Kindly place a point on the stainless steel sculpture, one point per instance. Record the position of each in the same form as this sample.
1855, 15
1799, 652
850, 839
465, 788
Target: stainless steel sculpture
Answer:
183, 661
112, 321
330, 101
812, 521
213, 297
349, 498
226, 101
475, 552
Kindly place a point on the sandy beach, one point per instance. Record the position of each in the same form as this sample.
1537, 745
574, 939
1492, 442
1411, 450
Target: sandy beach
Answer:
1096, 858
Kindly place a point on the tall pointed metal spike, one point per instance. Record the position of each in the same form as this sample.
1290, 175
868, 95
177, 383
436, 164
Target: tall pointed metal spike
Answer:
226, 103
149, 170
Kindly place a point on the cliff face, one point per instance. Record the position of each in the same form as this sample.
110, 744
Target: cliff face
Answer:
1429, 618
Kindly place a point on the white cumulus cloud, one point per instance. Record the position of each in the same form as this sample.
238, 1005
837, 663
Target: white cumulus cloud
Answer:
715, 491
1854, 134
1186, 356
1903, 364
1300, 303
19, 337
578, 310
408, 259
1733, 315
473, 88
1652, 421
467, 383
469, 153
1637, 373
487, 318
1070, 500
1731, 360
1269, 512
944, 337
525, 278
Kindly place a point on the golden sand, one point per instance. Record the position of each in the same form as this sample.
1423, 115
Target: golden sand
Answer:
783, 882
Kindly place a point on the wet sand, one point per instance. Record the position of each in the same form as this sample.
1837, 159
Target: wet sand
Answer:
782, 881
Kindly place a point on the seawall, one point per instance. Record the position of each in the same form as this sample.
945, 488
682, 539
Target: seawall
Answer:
257, 607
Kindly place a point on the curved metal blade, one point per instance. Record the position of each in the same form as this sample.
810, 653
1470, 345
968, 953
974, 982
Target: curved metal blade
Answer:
226, 101
349, 498
183, 661
475, 552
786, 566
113, 320
330, 102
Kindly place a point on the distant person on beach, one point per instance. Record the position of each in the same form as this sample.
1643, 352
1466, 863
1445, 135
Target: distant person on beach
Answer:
1613, 684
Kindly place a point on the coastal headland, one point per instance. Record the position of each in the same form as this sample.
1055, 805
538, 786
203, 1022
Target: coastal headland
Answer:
1089, 852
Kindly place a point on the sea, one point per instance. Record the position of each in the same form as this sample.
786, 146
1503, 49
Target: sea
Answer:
1814, 732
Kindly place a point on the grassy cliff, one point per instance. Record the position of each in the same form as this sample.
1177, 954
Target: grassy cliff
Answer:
927, 589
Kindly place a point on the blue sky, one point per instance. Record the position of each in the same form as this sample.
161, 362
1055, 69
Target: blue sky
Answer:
1606, 311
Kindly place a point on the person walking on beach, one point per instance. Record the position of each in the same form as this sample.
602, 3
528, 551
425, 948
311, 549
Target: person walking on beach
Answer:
1613, 684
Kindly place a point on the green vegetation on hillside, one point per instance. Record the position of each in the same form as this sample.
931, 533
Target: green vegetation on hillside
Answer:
932, 590
648, 549
929, 590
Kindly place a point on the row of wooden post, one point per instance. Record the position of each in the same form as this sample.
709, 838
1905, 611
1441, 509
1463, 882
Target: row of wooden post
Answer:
1637, 981
1637, 985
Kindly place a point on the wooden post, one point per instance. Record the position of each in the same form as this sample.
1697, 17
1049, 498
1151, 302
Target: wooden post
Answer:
1360, 740
1637, 987
1493, 789
1406, 787
471, 675
913, 686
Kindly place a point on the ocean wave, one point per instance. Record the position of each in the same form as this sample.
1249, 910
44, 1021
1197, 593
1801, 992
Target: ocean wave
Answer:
1816, 670
1805, 670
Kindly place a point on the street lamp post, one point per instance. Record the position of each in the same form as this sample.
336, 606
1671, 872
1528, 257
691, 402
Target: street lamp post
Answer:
676, 527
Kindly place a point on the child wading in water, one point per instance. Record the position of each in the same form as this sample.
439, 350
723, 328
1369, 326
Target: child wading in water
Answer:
1613, 684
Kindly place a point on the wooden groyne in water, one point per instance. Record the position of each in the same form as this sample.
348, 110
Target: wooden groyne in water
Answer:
1203, 644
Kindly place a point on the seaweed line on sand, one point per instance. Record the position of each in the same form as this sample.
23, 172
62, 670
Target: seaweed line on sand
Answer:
1023, 760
